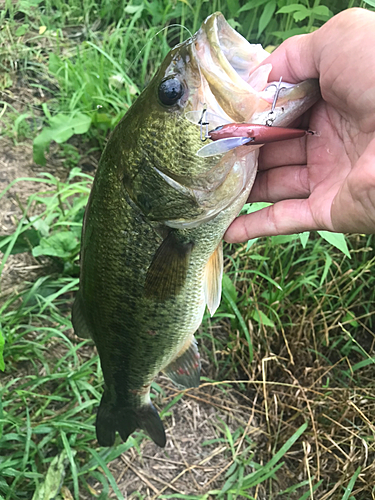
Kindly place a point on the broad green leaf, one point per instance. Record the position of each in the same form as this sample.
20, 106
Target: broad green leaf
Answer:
54, 63
63, 245
40, 144
133, 9
229, 287
266, 16
250, 243
322, 10
24, 242
301, 14
40, 225
304, 238
370, 2
337, 240
27, 5
54, 479
250, 208
62, 127
283, 238
46, 111
22, 30
256, 256
261, 318
233, 24
285, 447
229, 482
288, 9
349, 316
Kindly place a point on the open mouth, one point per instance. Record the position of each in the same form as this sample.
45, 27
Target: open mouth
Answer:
234, 87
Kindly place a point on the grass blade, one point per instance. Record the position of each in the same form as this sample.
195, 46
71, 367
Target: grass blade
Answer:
108, 473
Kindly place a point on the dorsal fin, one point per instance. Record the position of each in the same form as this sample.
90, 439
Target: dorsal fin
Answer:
212, 279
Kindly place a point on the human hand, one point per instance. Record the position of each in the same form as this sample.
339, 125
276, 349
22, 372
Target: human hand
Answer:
325, 181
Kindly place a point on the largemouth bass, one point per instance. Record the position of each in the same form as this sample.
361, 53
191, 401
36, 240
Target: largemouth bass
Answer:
151, 257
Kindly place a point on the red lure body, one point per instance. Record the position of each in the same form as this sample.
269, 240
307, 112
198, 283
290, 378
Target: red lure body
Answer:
259, 134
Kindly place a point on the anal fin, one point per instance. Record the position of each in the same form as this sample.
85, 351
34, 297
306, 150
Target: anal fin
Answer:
212, 279
78, 319
184, 370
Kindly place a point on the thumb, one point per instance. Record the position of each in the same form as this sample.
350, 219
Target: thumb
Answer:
294, 60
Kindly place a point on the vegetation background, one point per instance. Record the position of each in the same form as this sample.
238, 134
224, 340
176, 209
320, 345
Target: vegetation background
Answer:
286, 408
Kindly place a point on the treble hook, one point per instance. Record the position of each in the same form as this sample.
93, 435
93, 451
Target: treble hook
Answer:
271, 118
201, 122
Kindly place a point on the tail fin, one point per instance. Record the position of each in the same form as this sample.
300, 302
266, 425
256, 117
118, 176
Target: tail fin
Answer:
126, 420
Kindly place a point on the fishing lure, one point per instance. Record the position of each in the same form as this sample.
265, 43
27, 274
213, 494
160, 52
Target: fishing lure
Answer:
232, 135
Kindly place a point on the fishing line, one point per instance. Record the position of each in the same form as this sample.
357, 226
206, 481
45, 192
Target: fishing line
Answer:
153, 36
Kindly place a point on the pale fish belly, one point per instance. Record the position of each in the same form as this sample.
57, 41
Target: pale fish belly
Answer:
189, 306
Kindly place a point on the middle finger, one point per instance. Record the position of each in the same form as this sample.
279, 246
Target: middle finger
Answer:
277, 154
281, 183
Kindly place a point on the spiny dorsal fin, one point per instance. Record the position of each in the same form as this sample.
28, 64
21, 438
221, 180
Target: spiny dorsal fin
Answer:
212, 279
184, 370
167, 272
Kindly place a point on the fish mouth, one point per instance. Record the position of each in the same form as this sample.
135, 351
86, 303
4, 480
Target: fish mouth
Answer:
234, 86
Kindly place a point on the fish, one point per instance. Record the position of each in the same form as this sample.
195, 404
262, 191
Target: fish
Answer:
151, 251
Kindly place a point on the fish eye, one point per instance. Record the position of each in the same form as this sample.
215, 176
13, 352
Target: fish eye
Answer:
170, 91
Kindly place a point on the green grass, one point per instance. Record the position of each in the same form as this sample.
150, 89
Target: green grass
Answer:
94, 57
293, 336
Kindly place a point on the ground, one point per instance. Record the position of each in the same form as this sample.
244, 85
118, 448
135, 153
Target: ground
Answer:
245, 413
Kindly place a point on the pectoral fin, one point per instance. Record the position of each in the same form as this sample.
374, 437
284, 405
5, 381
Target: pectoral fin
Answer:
78, 319
212, 279
184, 370
167, 272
